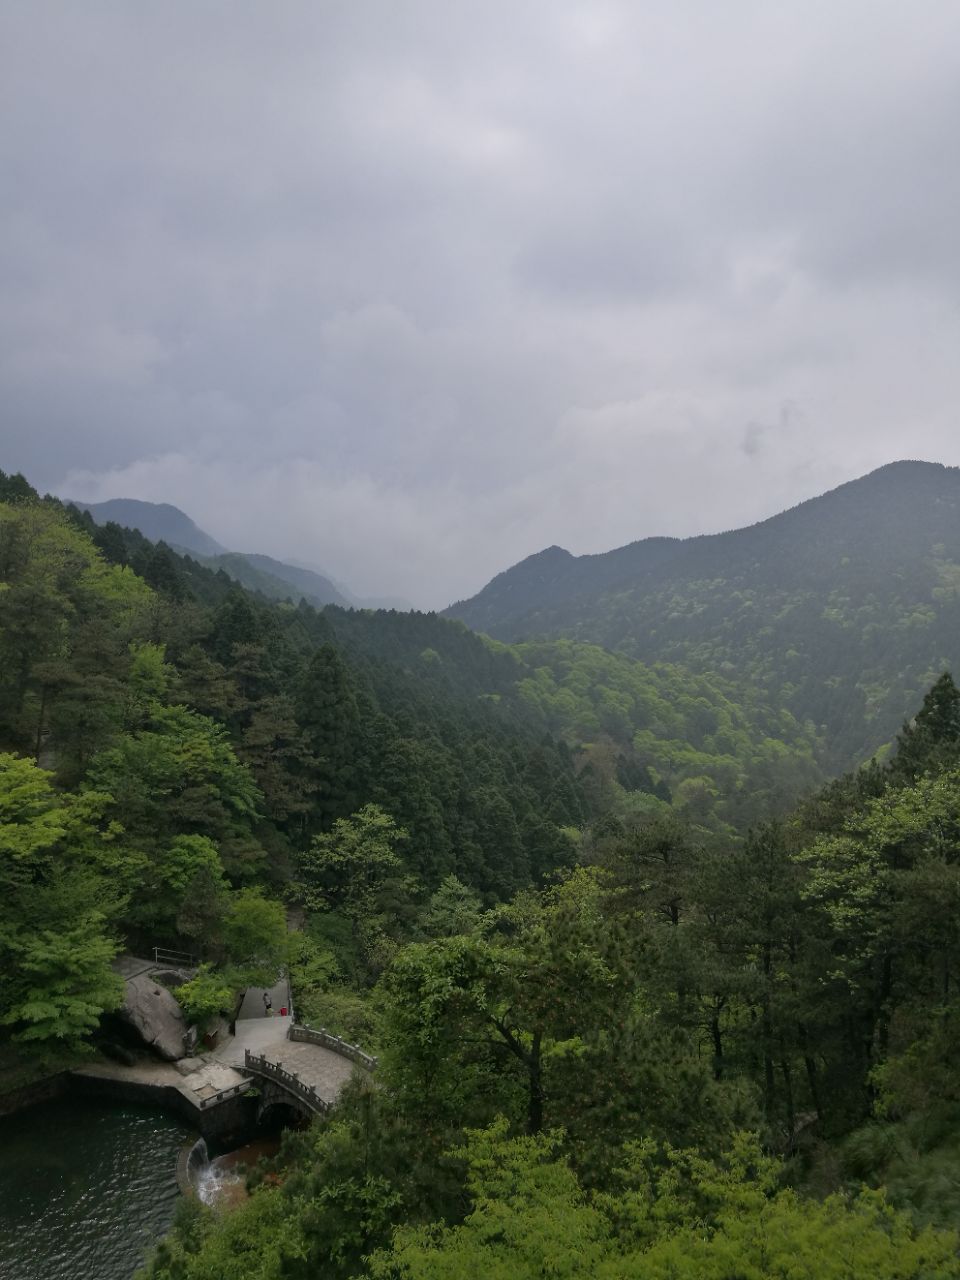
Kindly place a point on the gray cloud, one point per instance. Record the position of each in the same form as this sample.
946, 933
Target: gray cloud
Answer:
413, 290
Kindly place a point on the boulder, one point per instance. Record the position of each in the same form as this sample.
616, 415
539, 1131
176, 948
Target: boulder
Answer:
151, 1011
186, 1066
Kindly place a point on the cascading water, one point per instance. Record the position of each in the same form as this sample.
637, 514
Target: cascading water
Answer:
197, 1160
218, 1181
208, 1178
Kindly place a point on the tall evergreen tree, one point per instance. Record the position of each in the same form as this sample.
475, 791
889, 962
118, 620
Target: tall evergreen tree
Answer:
329, 713
932, 740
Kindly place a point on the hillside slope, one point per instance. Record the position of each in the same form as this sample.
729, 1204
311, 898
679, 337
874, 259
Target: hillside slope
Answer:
841, 609
162, 522
276, 580
158, 521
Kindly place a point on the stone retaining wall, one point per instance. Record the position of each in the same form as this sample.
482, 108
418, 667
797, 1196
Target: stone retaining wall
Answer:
230, 1121
29, 1095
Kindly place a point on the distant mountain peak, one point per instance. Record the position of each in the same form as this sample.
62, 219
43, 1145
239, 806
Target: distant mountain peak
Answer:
842, 609
276, 579
158, 521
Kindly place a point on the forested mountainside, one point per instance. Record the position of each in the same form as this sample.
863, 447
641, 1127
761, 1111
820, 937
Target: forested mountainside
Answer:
624, 1021
158, 521
636, 738
677, 1062
161, 522
276, 580
841, 610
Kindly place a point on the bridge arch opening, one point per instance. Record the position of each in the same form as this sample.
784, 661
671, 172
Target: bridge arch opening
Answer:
274, 1115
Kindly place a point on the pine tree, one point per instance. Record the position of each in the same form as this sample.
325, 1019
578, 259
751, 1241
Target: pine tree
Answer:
329, 713
932, 740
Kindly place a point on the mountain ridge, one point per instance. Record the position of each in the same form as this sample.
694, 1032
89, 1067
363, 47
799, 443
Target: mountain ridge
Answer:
163, 522
158, 521
622, 555
842, 608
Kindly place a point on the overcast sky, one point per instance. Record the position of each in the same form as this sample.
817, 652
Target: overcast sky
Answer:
411, 290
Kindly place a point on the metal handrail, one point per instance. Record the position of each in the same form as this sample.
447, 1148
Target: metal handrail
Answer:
161, 955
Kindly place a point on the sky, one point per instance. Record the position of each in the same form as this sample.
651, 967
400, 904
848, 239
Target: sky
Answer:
410, 290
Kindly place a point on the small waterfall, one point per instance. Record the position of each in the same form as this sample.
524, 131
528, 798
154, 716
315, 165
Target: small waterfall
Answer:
215, 1181
220, 1181
197, 1161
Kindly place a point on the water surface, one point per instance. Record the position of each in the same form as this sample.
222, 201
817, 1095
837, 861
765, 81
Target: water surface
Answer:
86, 1188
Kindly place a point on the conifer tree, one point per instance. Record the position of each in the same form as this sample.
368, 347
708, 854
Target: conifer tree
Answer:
329, 713
932, 740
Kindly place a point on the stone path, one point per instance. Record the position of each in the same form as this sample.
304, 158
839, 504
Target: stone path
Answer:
320, 1069
253, 1006
201, 1078
207, 1079
260, 1035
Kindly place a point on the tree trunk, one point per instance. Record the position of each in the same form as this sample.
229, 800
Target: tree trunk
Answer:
811, 1069
788, 1089
535, 1101
717, 1037
40, 719
883, 1007
766, 1025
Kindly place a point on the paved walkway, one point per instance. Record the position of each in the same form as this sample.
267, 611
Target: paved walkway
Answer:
253, 1006
259, 1035
208, 1078
201, 1077
320, 1069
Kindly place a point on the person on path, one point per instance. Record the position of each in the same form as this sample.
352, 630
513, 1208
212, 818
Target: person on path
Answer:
267, 1005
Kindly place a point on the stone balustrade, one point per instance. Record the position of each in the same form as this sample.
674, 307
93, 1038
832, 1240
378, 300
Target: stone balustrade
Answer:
223, 1094
336, 1044
288, 1080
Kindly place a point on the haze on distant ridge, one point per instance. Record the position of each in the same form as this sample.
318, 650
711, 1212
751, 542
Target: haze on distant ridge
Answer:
414, 290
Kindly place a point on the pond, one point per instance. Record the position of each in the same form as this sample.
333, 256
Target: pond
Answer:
86, 1188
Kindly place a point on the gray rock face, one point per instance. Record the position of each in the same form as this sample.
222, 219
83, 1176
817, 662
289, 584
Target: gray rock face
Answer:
186, 1066
155, 1016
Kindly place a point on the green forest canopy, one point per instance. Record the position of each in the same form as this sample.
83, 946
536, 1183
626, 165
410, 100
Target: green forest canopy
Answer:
628, 1022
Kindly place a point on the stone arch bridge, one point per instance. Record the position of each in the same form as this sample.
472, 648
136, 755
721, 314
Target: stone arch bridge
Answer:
306, 1071
289, 1064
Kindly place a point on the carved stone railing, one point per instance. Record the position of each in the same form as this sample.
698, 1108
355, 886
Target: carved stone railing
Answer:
335, 1043
288, 1080
223, 1094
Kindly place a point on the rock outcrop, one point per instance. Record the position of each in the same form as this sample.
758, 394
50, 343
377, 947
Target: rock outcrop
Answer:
151, 1011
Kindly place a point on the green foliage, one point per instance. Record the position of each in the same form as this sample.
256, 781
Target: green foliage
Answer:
255, 938
453, 909
205, 996
528, 1219
330, 715
426, 795
56, 908
252, 1242
356, 870
914, 1159
667, 733
932, 739
176, 776
840, 611
686, 1218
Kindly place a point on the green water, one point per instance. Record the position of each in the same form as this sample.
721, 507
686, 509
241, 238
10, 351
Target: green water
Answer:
85, 1189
